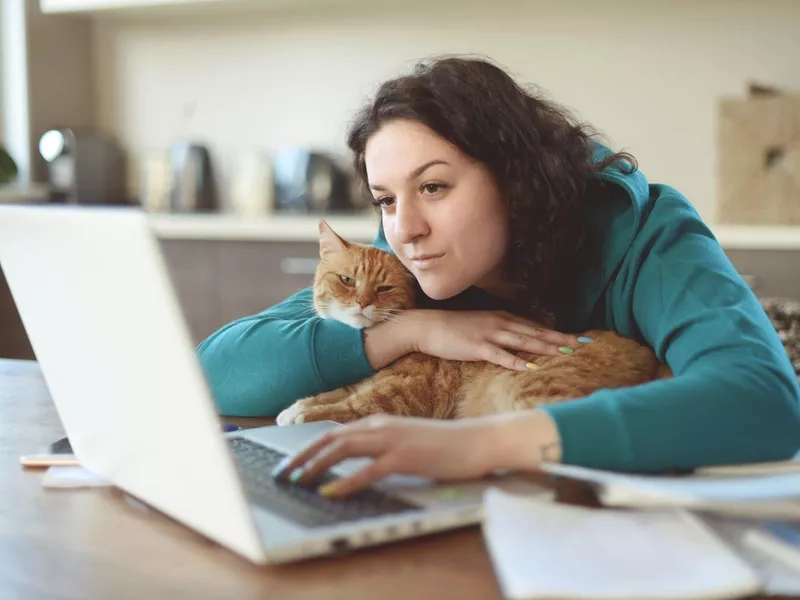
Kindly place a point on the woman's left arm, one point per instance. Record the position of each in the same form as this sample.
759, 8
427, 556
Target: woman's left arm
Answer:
734, 398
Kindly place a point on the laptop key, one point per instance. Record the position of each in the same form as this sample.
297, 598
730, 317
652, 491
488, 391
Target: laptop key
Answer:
302, 504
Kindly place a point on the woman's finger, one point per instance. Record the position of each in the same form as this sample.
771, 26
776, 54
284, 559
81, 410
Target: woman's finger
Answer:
359, 444
290, 463
554, 338
375, 471
495, 354
520, 341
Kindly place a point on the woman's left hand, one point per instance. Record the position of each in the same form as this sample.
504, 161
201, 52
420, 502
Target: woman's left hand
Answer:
442, 450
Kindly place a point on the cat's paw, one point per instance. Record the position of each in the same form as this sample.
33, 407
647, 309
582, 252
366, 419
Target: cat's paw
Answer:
293, 415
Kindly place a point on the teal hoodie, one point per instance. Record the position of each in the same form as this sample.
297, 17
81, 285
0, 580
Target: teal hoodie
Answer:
664, 281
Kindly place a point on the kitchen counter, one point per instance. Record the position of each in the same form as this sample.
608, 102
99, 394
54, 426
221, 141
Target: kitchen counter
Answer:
299, 228
13, 193
363, 228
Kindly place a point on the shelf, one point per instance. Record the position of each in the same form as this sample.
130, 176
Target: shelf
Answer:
757, 237
176, 7
92, 6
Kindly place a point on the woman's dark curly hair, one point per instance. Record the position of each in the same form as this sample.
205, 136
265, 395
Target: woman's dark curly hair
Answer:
539, 156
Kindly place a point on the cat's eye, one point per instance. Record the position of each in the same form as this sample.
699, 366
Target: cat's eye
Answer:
348, 281
385, 288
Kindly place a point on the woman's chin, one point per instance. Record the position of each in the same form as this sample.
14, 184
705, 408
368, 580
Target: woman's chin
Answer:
439, 290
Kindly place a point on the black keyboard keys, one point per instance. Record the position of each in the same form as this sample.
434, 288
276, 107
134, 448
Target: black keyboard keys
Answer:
303, 504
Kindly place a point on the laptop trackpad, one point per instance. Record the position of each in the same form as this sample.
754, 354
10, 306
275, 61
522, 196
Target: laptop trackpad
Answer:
293, 438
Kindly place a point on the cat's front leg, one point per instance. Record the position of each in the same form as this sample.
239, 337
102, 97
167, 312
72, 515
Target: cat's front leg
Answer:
315, 408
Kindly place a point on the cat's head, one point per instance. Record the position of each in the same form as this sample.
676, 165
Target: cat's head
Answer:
357, 284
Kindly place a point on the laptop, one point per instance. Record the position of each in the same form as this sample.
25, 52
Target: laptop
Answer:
96, 300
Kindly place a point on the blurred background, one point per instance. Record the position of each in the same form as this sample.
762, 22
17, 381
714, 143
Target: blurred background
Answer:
226, 119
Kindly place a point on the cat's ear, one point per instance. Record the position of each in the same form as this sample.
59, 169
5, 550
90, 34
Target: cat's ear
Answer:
329, 240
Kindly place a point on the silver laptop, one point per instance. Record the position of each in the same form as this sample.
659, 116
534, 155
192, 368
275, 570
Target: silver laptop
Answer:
97, 303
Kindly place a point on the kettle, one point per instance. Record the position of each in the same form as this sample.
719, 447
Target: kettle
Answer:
193, 187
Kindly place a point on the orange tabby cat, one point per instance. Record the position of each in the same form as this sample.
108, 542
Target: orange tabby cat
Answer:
362, 285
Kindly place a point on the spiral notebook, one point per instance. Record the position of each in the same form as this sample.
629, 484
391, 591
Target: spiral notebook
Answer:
541, 549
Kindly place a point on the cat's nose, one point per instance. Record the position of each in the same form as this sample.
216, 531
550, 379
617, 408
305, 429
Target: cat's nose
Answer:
364, 302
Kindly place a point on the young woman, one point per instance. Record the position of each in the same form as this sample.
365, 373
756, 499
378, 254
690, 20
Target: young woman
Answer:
503, 207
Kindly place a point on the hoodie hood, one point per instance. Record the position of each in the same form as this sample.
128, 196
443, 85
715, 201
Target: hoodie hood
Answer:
616, 224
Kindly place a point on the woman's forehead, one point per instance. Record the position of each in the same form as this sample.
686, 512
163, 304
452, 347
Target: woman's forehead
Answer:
398, 148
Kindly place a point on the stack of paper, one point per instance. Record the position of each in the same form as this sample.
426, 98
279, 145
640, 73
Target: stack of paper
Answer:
545, 550
774, 494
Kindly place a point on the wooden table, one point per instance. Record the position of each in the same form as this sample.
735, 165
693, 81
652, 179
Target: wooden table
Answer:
93, 544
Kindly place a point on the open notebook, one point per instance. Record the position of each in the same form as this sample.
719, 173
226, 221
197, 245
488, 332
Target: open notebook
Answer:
544, 550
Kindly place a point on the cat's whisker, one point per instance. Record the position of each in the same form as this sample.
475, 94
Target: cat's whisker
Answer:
391, 320
310, 309
390, 315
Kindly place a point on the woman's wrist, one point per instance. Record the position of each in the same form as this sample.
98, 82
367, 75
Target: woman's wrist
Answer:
385, 342
522, 440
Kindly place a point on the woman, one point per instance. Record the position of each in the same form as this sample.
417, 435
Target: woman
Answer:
503, 207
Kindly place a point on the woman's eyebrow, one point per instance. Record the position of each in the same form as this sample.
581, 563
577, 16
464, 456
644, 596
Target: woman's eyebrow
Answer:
414, 173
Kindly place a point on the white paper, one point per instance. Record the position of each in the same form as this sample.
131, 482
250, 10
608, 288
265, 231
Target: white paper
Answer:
776, 577
71, 477
546, 550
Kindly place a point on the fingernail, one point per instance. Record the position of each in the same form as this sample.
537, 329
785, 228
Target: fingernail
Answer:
296, 475
585, 340
565, 350
329, 490
532, 366
279, 469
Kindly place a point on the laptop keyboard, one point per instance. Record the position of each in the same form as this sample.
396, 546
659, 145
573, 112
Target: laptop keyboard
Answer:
302, 504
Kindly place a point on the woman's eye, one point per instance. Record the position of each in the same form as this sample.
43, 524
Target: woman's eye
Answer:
348, 281
432, 188
385, 288
385, 202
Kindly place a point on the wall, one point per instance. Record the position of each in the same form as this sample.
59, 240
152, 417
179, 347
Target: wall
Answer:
648, 74
47, 79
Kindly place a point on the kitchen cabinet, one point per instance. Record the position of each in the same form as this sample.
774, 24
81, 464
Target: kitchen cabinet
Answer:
219, 281
13, 340
771, 273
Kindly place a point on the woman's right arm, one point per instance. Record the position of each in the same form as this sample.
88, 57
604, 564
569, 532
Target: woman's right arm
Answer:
260, 365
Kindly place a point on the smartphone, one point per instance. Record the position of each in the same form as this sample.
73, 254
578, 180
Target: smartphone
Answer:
58, 453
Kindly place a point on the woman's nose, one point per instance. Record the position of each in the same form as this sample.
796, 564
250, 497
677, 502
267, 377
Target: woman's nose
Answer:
409, 223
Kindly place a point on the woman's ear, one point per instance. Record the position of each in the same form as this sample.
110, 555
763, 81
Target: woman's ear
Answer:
329, 240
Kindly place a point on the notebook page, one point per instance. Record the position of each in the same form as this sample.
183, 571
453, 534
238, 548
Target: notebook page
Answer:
541, 549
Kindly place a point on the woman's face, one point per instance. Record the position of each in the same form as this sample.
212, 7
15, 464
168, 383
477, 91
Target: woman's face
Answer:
442, 212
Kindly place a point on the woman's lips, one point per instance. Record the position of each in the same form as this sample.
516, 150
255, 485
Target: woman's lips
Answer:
426, 261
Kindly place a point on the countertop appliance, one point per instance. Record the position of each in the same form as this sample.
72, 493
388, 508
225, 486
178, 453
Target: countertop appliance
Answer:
83, 167
308, 181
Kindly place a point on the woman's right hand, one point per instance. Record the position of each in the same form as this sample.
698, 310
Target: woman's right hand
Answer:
491, 336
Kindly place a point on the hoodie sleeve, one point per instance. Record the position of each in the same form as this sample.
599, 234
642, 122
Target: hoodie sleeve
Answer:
259, 365
734, 397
